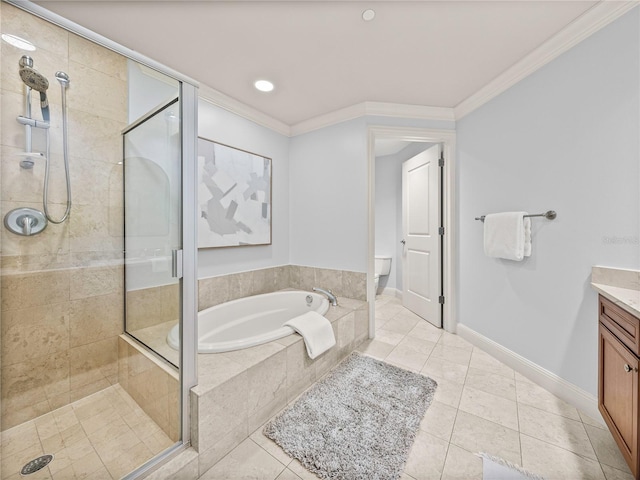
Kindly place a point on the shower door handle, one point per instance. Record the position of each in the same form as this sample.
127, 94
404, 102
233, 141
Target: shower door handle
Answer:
176, 263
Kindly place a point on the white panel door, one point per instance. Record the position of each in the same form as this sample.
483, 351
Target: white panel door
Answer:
420, 223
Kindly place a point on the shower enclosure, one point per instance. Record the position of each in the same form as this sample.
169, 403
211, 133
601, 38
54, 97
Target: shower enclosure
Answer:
100, 247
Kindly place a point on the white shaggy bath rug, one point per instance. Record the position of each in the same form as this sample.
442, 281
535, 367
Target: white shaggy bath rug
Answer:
495, 468
359, 423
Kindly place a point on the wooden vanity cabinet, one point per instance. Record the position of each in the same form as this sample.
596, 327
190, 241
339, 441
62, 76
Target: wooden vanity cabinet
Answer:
618, 362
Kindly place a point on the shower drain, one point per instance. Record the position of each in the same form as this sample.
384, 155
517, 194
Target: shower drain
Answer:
36, 464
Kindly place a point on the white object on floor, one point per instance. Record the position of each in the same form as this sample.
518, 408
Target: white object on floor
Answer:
382, 267
507, 235
495, 468
316, 331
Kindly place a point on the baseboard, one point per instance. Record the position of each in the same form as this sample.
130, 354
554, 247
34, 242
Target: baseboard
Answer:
570, 393
393, 292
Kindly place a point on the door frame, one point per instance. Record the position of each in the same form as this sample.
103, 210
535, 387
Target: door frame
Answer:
427, 135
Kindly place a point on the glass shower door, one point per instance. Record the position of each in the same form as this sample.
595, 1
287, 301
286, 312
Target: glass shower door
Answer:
152, 232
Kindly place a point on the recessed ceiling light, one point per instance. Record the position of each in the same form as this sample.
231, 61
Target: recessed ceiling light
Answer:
18, 42
368, 15
264, 85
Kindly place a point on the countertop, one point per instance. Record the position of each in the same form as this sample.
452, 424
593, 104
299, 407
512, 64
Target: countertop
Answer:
621, 286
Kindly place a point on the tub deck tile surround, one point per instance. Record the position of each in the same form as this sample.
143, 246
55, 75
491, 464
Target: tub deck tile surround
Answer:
239, 391
224, 288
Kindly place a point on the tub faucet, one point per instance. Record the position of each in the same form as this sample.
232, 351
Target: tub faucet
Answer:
332, 298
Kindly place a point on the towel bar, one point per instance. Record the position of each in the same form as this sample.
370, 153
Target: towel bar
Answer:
549, 215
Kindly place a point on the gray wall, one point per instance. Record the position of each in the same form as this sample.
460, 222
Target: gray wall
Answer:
566, 138
388, 206
225, 127
329, 197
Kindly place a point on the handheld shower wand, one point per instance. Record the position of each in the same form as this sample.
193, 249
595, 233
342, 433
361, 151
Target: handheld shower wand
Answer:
36, 81
63, 79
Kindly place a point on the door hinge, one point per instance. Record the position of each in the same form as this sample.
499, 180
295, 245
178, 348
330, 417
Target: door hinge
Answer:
441, 299
440, 230
441, 160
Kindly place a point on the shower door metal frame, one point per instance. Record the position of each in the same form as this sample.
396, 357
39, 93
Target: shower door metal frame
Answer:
189, 134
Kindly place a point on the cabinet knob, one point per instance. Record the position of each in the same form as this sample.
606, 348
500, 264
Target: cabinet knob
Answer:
627, 368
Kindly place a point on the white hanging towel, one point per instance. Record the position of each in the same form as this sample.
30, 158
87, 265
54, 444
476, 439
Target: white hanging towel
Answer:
507, 235
315, 330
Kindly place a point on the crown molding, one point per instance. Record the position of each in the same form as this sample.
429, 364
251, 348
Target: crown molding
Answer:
599, 16
219, 99
582, 27
379, 109
328, 119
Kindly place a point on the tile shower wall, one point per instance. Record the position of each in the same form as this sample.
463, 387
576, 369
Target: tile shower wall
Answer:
62, 290
152, 306
154, 387
216, 290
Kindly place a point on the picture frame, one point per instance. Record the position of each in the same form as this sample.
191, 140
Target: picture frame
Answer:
234, 196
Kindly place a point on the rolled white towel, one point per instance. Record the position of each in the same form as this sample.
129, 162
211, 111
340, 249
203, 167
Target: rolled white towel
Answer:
316, 331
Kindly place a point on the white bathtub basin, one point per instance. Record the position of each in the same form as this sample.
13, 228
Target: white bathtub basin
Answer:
250, 321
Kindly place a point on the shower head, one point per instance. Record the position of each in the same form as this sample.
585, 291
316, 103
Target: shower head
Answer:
31, 77
63, 78
35, 80
26, 61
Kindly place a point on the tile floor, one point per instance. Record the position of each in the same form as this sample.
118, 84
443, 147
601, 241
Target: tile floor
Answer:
100, 437
480, 405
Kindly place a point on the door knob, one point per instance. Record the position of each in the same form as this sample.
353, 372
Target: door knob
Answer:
627, 368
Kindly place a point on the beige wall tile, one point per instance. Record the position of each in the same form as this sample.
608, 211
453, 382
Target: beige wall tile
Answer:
92, 281
93, 362
155, 391
22, 185
303, 278
152, 306
30, 290
27, 385
241, 285
91, 230
267, 389
92, 319
12, 133
112, 101
34, 332
45, 62
94, 56
264, 281
345, 334
95, 182
42, 34
329, 280
222, 411
97, 137
123, 363
301, 372
174, 432
12, 264
213, 291
53, 239
361, 327
354, 285
283, 277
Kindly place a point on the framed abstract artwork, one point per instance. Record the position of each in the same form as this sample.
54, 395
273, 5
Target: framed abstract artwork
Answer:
234, 196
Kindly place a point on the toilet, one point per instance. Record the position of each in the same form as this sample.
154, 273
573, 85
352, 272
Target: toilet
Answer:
382, 267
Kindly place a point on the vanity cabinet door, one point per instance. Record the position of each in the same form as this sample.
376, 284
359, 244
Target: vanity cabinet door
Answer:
618, 394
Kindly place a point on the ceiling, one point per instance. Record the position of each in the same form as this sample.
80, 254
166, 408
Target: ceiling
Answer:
321, 55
